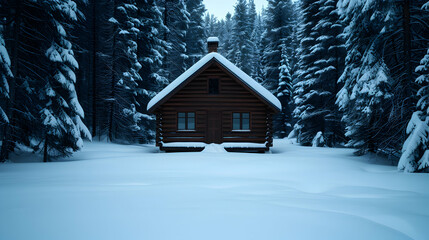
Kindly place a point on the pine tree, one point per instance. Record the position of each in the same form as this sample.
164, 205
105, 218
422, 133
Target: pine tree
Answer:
225, 37
252, 16
256, 59
60, 114
150, 51
405, 41
92, 38
98, 69
415, 151
12, 106
279, 21
44, 112
123, 116
211, 26
383, 46
366, 78
284, 94
5, 73
176, 22
321, 63
306, 73
195, 38
241, 44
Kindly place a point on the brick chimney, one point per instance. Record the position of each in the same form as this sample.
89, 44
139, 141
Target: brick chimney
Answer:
212, 44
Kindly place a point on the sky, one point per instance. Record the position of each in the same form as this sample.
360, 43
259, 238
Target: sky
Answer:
220, 8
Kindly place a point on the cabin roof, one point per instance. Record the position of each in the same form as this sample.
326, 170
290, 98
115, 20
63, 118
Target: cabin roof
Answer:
257, 88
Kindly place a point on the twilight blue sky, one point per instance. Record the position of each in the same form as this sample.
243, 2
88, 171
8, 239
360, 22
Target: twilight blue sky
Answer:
219, 8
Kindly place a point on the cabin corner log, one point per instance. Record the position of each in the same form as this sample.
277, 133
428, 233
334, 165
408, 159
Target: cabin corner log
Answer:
159, 131
269, 133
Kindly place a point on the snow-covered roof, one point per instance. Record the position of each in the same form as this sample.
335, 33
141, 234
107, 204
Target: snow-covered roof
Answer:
246, 79
213, 39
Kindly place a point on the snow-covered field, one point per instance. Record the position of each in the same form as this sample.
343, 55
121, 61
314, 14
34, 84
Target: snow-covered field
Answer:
110, 191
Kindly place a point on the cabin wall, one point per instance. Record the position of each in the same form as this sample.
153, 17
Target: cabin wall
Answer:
232, 97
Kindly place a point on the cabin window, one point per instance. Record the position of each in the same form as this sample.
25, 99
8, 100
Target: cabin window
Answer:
186, 121
241, 121
213, 86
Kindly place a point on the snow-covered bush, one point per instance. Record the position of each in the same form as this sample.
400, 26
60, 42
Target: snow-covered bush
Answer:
415, 155
318, 140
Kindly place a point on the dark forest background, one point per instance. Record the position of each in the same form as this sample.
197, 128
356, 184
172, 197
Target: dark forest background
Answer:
348, 72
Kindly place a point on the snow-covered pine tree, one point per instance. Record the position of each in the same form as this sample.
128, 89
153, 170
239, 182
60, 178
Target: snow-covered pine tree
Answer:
321, 64
225, 36
384, 44
256, 61
44, 112
279, 21
331, 67
11, 29
150, 51
211, 26
405, 41
176, 22
255, 29
305, 73
218, 31
362, 100
60, 112
415, 151
123, 115
251, 15
92, 40
195, 38
5, 73
366, 78
241, 43
284, 94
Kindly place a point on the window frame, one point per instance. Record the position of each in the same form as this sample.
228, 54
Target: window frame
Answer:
241, 122
186, 129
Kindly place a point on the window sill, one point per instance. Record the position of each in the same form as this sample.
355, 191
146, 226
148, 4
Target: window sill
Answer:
241, 130
186, 130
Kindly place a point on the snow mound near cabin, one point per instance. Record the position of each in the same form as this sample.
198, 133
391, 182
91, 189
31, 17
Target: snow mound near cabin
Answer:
214, 148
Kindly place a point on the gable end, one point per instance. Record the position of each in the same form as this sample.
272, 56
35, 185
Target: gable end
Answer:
226, 66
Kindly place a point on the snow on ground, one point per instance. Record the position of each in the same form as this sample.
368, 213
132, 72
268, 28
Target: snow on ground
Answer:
110, 191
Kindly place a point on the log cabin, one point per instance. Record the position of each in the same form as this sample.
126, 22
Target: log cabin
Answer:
214, 102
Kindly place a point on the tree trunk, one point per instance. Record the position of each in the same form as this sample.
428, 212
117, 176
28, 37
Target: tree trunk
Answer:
371, 137
407, 41
408, 79
166, 23
94, 69
45, 150
113, 83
